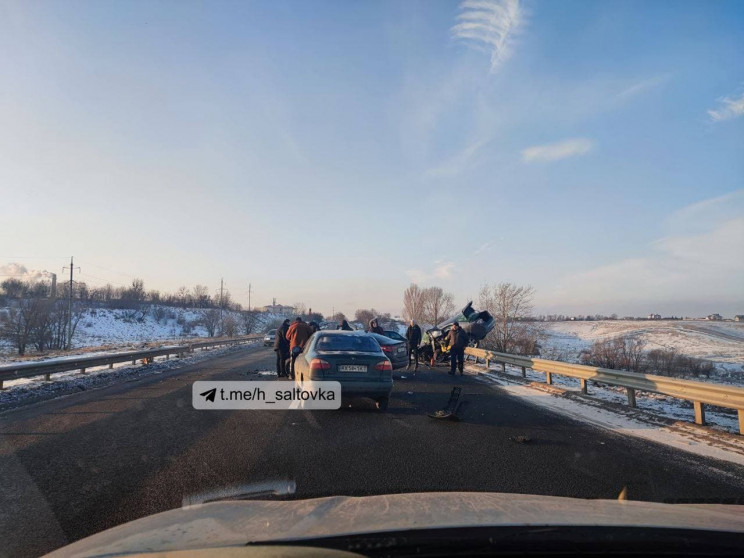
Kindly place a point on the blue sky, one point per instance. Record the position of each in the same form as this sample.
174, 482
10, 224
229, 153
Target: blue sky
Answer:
332, 152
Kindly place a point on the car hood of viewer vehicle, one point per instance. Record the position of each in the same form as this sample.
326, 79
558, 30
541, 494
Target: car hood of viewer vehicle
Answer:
236, 523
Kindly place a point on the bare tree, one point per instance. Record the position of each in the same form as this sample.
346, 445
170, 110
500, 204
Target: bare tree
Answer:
300, 308
414, 303
201, 297
338, 317
229, 326
364, 315
250, 321
210, 319
182, 296
511, 306
437, 305
38, 321
14, 288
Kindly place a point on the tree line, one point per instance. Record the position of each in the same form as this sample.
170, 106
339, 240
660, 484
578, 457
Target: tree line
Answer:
119, 297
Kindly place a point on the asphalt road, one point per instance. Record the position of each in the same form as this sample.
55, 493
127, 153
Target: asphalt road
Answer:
77, 465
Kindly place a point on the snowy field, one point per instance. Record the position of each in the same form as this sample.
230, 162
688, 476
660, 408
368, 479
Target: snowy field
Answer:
115, 328
719, 342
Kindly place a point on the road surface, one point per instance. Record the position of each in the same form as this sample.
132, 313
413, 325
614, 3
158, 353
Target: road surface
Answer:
80, 464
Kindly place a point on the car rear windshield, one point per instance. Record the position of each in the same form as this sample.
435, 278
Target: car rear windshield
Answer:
360, 343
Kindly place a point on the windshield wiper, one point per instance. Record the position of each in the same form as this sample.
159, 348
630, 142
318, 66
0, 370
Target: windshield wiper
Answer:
256, 490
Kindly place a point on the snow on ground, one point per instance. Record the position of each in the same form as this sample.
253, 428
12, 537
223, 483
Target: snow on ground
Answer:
26, 390
691, 440
720, 342
102, 327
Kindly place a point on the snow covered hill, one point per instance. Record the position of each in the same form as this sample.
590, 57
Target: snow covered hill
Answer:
719, 342
102, 327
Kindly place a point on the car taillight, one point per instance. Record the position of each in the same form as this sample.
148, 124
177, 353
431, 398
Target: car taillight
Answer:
384, 366
318, 364
386, 348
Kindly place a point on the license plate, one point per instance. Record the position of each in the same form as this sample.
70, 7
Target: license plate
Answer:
401, 350
351, 368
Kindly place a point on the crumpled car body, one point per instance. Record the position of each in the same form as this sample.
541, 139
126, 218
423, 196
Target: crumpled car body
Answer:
476, 324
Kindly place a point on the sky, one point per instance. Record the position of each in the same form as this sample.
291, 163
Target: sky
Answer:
331, 153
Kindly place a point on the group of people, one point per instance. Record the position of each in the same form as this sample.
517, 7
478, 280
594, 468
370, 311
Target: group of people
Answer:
288, 344
457, 340
291, 339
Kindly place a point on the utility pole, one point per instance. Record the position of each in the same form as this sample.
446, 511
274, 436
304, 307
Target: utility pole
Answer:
222, 284
249, 297
69, 306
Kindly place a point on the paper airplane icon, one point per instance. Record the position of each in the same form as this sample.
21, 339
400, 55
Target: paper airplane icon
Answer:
209, 395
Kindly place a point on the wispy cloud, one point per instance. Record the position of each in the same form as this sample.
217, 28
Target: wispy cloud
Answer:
485, 246
694, 265
727, 109
556, 151
489, 26
459, 162
642, 86
442, 270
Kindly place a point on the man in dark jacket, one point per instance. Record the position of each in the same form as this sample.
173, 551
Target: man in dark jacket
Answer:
344, 326
281, 348
413, 339
374, 328
457, 340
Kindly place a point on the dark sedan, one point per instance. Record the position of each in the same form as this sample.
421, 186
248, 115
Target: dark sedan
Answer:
352, 358
395, 335
395, 350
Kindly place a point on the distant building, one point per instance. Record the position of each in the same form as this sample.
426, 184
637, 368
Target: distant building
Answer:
654, 316
714, 317
739, 318
277, 309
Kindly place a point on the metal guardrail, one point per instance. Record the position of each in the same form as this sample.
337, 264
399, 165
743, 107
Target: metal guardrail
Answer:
700, 393
16, 370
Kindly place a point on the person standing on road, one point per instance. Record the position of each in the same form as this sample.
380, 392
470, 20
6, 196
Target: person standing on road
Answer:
297, 335
374, 328
281, 347
344, 326
314, 326
457, 340
413, 339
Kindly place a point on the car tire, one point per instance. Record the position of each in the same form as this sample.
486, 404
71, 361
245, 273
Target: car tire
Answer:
382, 403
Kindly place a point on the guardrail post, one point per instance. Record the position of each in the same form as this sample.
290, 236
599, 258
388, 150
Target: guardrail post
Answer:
583, 386
167, 356
548, 378
740, 412
134, 361
631, 397
524, 372
82, 370
111, 365
503, 367
47, 377
1, 385
699, 412
488, 364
